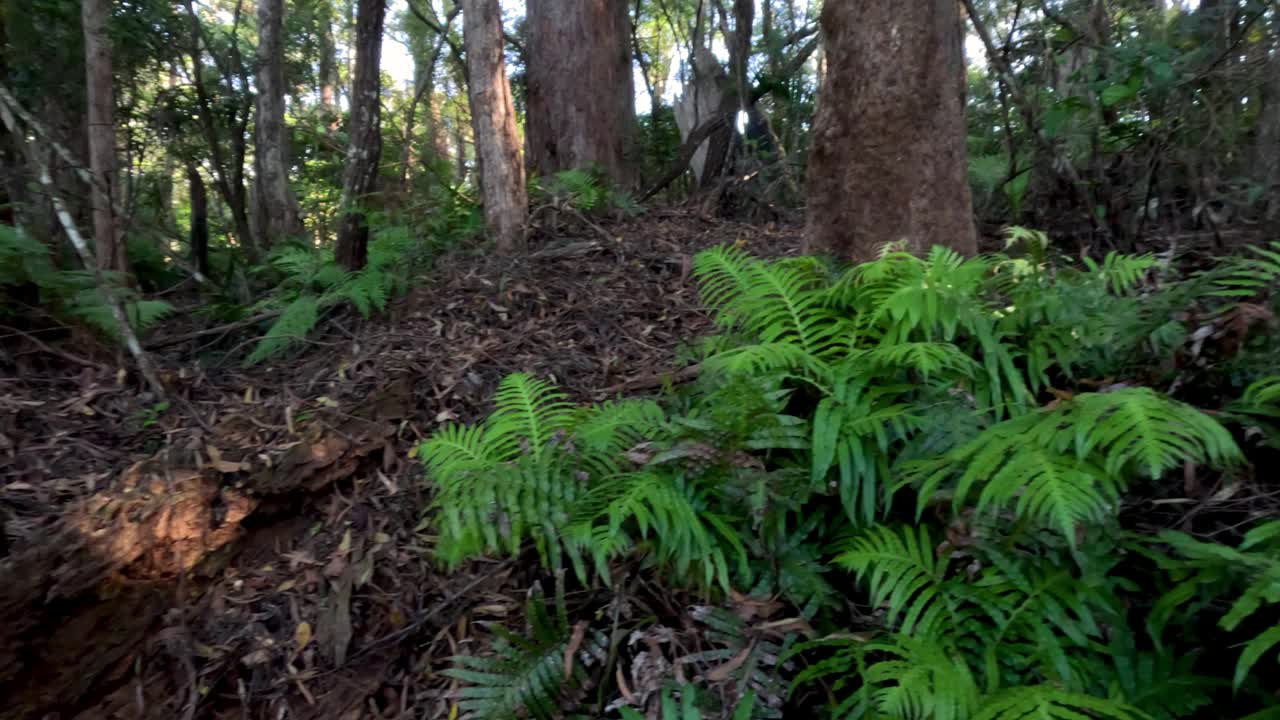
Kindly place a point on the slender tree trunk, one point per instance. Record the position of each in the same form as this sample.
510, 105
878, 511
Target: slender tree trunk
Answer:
888, 161
228, 173
493, 120
199, 219
1267, 156
109, 247
275, 205
328, 70
365, 150
581, 101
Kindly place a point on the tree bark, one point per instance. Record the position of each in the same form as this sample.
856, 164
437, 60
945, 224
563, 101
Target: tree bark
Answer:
1267, 156
365, 149
889, 160
581, 103
109, 249
493, 120
199, 219
275, 205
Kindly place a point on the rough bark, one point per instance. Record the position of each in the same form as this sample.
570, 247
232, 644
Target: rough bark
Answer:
493, 120
581, 103
888, 161
199, 219
109, 247
328, 70
360, 177
275, 206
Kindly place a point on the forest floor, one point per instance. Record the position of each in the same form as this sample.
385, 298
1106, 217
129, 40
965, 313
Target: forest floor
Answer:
255, 546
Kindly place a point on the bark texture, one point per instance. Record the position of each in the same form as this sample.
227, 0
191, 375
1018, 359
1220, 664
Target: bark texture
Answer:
493, 120
109, 250
360, 178
888, 161
199, 219
275, 205
581, 101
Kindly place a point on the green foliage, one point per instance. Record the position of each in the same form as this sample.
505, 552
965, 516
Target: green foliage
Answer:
1070, 464
68, 295
527, 676
1208, 570
311, 282
831, 404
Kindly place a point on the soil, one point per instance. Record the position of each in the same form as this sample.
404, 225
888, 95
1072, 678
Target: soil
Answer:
253, 550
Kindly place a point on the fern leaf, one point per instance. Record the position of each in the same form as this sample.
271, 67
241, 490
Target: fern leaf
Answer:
1044, 702
903, 574
528, 410
293, 324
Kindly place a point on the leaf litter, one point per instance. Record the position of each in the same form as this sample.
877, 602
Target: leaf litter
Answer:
255, 551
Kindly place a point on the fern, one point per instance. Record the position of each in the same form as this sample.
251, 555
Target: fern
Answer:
526, 676
903, 574
1213, 569
1045, 702
1069, 464
298, 319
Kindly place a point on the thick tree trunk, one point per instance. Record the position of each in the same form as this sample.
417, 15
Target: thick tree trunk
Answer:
275, 206
365, 150
199, 219
888, 161
493, 120
581, 101
109, 249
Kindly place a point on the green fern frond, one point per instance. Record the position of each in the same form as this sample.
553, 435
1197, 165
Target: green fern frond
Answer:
1247, 277
528, 411
613, 427
920, 678
1069, 464
1136, 426
1045, 702
903, 573
683, 533
526, 676
294, 323
1214, 569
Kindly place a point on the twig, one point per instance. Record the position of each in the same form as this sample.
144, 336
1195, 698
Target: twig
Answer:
654, 380
69, 357
140, 356
229, 327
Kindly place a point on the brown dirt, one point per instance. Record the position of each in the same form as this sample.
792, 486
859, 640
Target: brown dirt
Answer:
255, 547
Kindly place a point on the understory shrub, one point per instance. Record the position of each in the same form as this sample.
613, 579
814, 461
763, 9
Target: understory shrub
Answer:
947, 444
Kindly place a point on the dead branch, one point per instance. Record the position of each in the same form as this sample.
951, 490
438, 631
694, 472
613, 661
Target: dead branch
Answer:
687, 151
221, 329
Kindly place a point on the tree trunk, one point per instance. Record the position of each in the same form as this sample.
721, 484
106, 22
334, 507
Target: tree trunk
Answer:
365, 150
328, 70
889, 161
493, 120
275, 205
581, 103
109, 247
199, 219
1267, 156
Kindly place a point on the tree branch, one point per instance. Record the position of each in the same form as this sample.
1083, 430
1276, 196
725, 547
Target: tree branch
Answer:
109, 294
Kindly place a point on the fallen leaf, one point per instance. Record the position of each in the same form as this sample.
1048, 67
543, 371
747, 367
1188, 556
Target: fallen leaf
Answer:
723, 672
575, 642
302, 635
